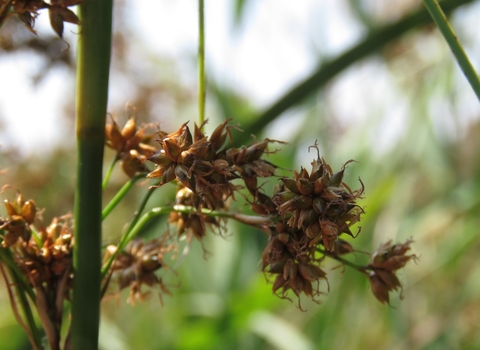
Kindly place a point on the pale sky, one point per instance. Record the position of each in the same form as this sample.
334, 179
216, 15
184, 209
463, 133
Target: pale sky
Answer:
278, 44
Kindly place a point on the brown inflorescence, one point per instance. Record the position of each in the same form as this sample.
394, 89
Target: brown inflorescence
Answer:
27, 12
44, 257
314, 208
136, 265
384, 263
206, 166
131, 145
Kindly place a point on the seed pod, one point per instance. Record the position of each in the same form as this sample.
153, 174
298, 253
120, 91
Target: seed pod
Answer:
277, 267
306, 217
218, 136
283, 197
160, 158
279, 282
130, 128
291, 184
318, 186
304, 186
114, 136
311, 273
319, 205
303, 202
11, 210
313, 230
289, 270
150, 262
168, 175
336, 179
28, 211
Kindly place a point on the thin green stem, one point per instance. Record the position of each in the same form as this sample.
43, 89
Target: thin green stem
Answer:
359, 268
137, 226
201, 62
23, 290
450, 37
109, 172
120, 195
132, 224
93, 57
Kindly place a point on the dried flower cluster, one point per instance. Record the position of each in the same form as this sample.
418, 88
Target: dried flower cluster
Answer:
206, 167
27, 12
131, 145
315, 209
136, 265
385, 262
44, 257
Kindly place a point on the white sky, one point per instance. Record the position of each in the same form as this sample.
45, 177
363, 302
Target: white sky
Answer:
279, 43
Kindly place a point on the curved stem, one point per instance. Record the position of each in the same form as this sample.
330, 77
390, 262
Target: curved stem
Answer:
359, 268
120, 194
136, 226
201, 62
442, 23
132, 224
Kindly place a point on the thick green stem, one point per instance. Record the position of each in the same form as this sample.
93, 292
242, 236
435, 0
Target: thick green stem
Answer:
94, 44
201, 62
442, 23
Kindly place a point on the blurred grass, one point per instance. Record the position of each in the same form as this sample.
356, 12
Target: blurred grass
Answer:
422, 184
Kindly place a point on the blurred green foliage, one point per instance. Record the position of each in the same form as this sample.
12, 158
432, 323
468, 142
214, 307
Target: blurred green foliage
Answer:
423, 184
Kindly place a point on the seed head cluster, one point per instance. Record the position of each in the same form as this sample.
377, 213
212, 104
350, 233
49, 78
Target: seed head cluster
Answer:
206, 167
131, 144
44, 256
136, 265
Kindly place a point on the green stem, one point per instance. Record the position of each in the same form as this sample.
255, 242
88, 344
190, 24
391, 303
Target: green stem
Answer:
326, 71
132, 224
109, 172
201, 62
23, 290
137, 226
120, 194
442, 23
359, 268
93, 57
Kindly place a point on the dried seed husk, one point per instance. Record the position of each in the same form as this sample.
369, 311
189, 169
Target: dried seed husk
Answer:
290, 184
29, 211
304, 186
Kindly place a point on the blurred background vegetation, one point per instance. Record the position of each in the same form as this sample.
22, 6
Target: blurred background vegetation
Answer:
402, 110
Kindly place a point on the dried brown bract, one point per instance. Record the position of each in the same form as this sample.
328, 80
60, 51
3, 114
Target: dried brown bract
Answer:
27, 12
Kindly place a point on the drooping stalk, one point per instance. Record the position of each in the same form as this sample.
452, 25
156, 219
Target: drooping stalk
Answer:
442, 23
201, 62
94, 45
